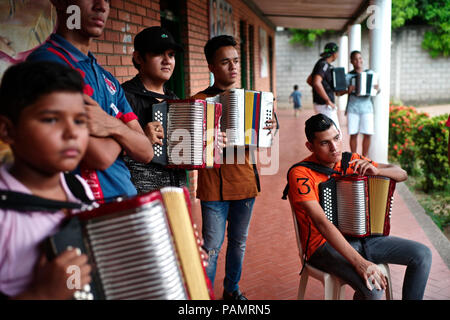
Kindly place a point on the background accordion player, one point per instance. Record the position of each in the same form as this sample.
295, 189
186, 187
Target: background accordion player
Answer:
140, 248
244, 115
191, 129
358, 206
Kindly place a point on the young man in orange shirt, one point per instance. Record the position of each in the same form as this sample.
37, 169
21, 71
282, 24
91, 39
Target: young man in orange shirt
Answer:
350, 258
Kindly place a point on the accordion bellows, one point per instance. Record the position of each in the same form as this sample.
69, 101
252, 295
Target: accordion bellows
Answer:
191, 129
359, 206
140, 248
365, 83
244, 115
339, 81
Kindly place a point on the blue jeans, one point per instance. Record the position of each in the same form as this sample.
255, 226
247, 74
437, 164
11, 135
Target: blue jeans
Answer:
215, 215
414, 255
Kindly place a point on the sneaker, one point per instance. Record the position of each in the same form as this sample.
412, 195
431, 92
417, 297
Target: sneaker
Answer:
236, 295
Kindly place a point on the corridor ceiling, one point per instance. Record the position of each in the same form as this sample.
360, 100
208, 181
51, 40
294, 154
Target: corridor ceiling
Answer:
313, 14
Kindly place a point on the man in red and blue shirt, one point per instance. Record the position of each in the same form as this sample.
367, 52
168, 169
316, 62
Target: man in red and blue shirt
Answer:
113, 125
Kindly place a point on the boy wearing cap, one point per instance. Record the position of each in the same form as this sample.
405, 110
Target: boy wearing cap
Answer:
321, 80
114, 126
154, 58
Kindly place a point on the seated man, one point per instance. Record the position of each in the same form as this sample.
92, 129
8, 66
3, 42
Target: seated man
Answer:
351, 259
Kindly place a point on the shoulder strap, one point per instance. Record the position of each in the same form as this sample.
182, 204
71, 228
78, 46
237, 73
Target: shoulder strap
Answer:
76, 187
346, 156
311, 165
27, 202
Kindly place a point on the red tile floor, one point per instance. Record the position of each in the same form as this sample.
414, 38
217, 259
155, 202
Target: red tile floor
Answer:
271, 265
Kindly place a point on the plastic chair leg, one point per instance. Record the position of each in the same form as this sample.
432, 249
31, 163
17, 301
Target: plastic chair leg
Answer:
302, 286
329, 288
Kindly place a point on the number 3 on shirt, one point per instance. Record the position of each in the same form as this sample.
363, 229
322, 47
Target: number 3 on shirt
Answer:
301, 189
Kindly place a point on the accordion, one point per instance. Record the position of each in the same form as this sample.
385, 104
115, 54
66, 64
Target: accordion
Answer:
244, 115
139, 248
339, 80
364, 83
191, 129
358, 206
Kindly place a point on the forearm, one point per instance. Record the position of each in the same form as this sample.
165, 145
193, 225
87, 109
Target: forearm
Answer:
101, 153
133, 140
330, 232
339, 243
393, 172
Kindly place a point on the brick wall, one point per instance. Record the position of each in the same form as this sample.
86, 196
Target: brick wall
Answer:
114, 48
198, 33
127, 17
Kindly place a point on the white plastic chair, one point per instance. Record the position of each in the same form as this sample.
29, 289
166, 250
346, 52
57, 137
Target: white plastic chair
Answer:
334, 287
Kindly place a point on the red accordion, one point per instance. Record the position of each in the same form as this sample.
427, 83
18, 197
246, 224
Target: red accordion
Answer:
358, 206
140, 248
191, 129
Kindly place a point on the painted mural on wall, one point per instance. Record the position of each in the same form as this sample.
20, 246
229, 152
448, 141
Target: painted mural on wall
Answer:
24, 25
221, 22
221, 18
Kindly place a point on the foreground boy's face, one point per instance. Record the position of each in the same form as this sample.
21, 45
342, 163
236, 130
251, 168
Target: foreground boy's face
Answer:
52, 134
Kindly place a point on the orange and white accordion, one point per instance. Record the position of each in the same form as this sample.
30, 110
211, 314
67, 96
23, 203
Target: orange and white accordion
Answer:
191, 129
358, 206
143, 247
244, 115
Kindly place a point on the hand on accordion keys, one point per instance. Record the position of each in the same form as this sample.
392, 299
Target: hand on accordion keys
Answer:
53, 279
155, 132
222, 140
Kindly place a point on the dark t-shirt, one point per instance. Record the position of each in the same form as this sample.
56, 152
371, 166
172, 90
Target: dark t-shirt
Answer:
323, 69
150, 176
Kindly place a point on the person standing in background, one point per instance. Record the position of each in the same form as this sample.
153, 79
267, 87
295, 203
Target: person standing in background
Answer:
321, 80
295, 97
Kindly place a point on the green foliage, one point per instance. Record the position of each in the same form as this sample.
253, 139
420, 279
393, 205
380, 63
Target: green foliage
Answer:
402, 122
437, 15
431, 138
434, 13
306, 37
418, 144
403, 10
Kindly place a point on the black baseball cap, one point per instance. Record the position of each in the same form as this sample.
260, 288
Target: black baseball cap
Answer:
330, 48
155, 39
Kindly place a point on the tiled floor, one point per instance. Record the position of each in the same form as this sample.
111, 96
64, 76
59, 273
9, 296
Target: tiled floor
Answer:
272, 264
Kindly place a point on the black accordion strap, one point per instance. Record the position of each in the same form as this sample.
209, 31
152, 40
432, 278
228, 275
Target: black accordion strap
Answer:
346, 156
76, 188
26, 202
